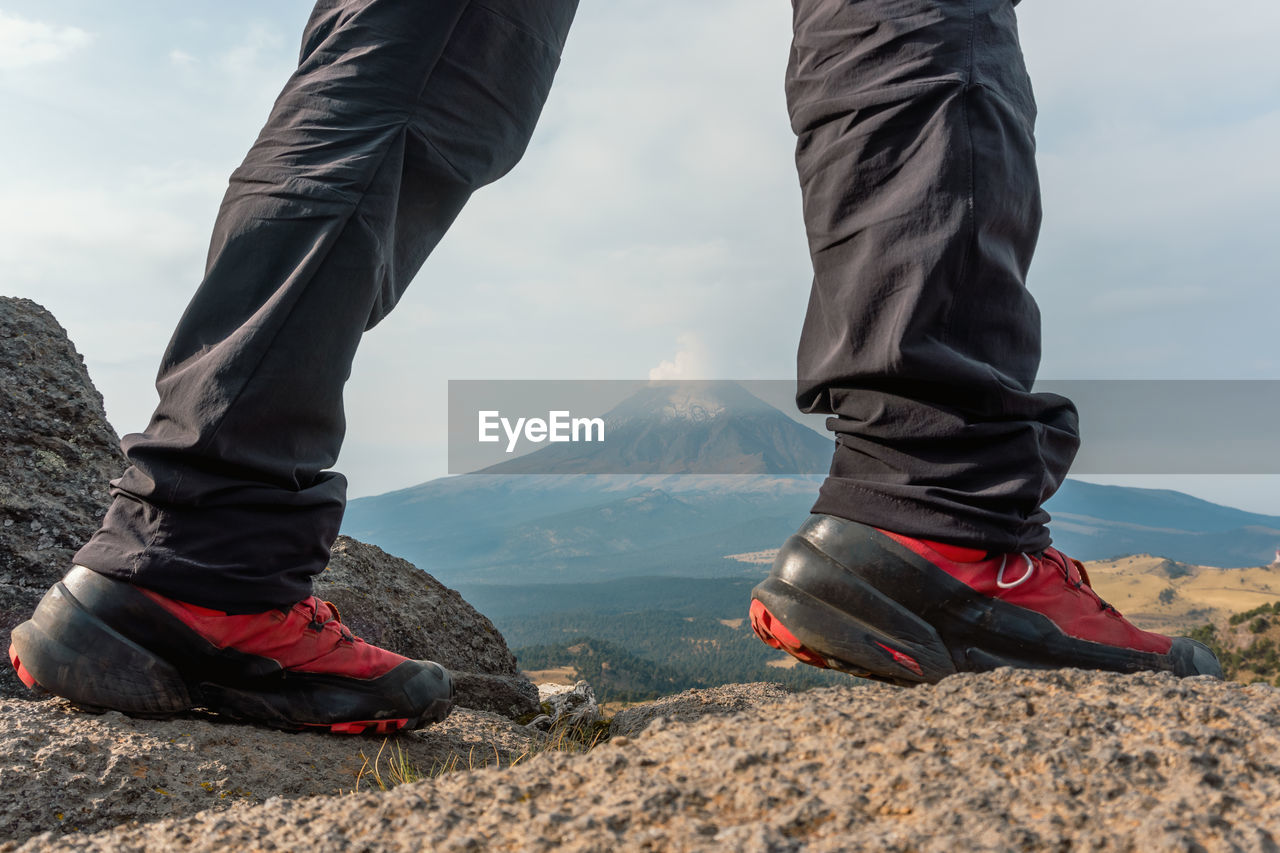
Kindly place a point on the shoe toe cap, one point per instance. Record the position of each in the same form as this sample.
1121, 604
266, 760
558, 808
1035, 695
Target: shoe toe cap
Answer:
430, 686
1194, 658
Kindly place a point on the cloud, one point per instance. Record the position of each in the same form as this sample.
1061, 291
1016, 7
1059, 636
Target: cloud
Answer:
690, 361
181, 58
24, 42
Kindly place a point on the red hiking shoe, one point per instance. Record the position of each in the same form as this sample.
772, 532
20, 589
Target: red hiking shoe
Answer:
106, 644
850, 597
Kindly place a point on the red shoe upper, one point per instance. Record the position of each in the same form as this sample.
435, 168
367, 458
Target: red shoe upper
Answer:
308, 637
1051, 584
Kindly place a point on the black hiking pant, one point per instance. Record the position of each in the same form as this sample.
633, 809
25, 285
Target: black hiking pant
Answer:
916, 156
920, 194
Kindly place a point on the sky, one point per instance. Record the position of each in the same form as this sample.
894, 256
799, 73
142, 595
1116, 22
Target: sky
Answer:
653, 228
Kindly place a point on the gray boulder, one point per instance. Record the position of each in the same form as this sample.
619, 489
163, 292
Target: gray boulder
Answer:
57, 454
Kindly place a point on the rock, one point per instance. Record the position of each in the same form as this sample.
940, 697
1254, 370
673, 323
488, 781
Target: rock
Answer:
392, 603
693, 704
512, 696
566, 707
1006, 760
57, 454
66, 771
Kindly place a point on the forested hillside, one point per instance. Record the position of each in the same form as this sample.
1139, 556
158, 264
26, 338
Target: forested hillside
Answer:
645, 654
1248, 644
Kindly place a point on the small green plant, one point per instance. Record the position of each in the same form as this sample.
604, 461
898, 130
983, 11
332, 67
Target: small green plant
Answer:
1167, 595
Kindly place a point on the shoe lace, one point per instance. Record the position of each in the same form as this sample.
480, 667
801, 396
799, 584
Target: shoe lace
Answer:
1064, 564
1081, 580
333, 618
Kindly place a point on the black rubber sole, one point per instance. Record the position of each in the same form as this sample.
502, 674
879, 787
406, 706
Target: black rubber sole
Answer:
104, 645
845, 596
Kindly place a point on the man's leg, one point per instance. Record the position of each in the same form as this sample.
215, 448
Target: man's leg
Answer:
396, 114
197, 586
917, 166
916, 157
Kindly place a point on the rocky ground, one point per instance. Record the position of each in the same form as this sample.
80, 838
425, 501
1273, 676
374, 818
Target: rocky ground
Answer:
1001, 761
67, 771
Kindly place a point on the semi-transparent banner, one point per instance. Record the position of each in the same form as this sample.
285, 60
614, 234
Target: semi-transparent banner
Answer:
753, 427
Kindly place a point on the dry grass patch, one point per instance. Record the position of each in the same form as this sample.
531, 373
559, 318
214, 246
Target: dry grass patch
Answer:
1171, 597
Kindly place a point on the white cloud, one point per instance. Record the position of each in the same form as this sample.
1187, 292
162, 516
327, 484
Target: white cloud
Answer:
690, 361
25, 42
181, 58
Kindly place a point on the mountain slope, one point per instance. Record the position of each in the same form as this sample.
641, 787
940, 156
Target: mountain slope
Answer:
1093, 522
1152, 508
